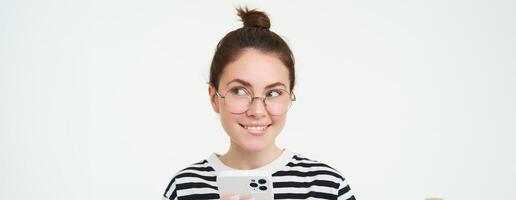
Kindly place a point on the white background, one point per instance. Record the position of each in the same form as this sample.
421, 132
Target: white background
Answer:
108, 99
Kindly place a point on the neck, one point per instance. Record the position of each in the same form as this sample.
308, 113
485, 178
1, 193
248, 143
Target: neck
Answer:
239, 158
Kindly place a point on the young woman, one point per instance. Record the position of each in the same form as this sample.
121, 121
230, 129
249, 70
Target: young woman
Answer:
251, 87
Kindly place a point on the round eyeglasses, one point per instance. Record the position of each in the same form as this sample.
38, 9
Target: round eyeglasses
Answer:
277, 101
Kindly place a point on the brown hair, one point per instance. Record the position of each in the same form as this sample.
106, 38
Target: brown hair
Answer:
255, 34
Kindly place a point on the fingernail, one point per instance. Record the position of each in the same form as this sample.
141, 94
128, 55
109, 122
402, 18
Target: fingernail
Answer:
235, 197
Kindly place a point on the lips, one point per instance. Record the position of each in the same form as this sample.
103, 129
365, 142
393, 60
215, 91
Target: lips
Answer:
255, 129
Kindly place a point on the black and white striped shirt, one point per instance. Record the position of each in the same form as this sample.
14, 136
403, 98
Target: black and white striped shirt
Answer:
293, 176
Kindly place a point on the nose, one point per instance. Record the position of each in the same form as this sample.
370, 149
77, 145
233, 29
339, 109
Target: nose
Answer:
257, 107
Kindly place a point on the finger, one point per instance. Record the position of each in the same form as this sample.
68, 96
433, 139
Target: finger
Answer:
230, 197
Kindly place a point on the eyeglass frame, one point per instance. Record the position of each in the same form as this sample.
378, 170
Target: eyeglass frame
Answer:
291, 94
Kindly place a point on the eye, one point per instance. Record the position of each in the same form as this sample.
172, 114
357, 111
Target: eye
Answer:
239, 91
274, 93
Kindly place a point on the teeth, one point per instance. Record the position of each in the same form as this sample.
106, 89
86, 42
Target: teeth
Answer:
256, 128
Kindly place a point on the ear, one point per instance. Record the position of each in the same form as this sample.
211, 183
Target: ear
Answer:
214, 99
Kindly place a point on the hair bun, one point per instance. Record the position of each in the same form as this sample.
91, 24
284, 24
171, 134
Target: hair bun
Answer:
254, 18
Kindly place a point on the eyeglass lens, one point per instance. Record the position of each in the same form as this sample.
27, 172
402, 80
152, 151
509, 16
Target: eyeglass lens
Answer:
238, 100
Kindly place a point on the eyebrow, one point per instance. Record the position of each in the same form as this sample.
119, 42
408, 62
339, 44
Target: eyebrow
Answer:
247, 84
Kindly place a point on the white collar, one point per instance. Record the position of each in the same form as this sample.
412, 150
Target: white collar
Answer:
272, 167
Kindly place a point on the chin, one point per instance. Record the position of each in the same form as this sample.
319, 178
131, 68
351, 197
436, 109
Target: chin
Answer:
256, 146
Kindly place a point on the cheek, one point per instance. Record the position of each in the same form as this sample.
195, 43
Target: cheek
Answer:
279, 121
279, 124
228, 121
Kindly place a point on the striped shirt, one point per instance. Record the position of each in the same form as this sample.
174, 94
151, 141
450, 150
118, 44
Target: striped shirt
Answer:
293, 177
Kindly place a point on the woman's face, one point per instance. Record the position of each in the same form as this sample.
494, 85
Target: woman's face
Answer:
258, 73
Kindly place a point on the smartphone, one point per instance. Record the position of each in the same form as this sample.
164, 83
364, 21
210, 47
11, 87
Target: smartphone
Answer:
247, 183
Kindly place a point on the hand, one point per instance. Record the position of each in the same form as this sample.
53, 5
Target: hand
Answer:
234, 197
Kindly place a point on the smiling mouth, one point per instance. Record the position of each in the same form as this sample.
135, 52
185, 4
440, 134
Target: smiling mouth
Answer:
255, 129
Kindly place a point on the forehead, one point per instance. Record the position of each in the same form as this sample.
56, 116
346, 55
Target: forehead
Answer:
257, 68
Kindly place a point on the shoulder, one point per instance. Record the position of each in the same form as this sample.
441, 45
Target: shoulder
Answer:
200, 170
319, 176
201, 167
302, 165
199, 175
